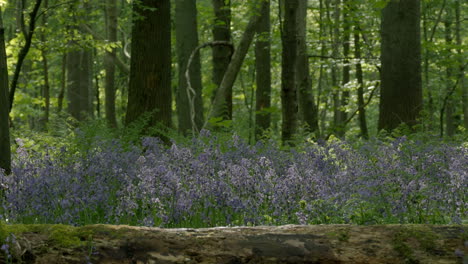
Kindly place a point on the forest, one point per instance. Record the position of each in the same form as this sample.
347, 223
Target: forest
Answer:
184, 113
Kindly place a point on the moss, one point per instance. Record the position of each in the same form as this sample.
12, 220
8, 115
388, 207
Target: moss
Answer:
341, 234
58, 235
423, 235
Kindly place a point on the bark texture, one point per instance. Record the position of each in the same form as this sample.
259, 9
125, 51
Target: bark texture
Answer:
289, 40
219, 103
284, 244
79, 84
222, 54
263, 73
109, 63
150, 64
401, 91
307, 109
187, 42
5, 150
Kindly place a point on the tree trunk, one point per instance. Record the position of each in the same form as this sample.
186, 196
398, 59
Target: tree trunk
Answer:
5, 155
63, 83
219, 109
24, 50
263, 74
150, 65
222, 54
289, 40
401, 92
462, 82
187, 41
45, 66
79, 84
109, 63
347, 244
360, 80
449, 107
335, 38
343, 114
307, 109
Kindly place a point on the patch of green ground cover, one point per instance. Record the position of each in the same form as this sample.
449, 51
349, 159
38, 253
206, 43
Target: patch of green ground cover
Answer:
424, 236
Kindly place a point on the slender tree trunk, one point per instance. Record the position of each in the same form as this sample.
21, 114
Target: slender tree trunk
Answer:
401, 92
45, 66
343, 114
461, 69
5, 150
263, 73
109, 63
426, 85
63, 83
335, 36
150, 65
307, 109
187, 41
24, 50
289, 40
219, 103
360, 80
222, 54
322, 34
449, 107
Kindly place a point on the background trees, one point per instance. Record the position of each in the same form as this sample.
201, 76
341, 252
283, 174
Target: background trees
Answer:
5, 157
315, 70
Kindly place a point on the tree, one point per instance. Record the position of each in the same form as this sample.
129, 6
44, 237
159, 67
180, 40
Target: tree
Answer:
289, 39
187, 41
111, 15
360, 80
150, 64
401, 91
222, 54
79, 67
263, 73
28, 35
308, 111
5, 155
219, 109
343, 114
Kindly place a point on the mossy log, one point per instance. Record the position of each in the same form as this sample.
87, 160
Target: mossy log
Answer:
264, 244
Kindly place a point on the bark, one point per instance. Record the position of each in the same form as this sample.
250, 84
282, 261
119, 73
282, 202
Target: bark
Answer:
111, 11
401, 92
289, 40
79, 84
307, 109
150, 64
263, 74
24, 51
345, 244
335, 38
187, 41
222, 54
63, 83
45, 67
461, 69
449, 107
343, 114
5, 150
219, 109
360, 80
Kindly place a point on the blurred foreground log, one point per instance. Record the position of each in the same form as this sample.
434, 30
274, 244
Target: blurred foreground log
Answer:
284, 244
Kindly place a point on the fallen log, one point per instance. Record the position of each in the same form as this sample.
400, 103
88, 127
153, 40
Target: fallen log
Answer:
108, 244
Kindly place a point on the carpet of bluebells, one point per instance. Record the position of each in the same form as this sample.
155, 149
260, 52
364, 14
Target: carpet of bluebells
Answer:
204, 184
